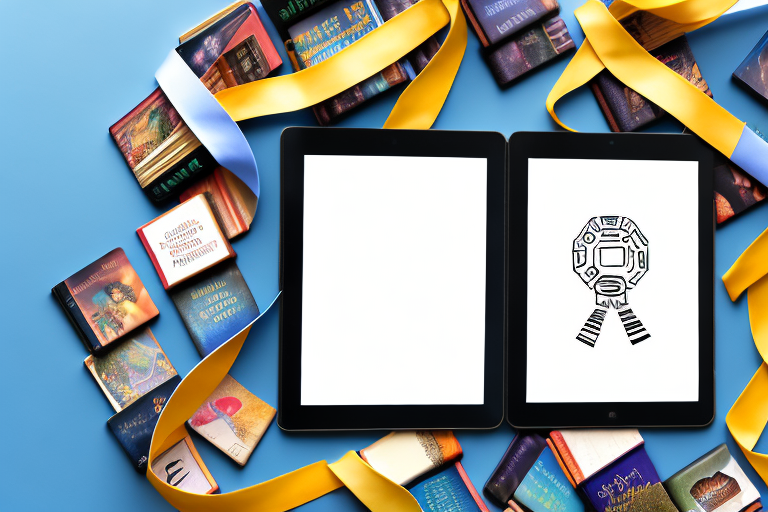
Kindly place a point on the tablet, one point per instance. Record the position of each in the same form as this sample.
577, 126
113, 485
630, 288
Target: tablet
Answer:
611, 301
392, 272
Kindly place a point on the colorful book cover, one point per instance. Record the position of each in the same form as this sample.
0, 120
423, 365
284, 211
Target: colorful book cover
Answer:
495, 20
735, 190
753, 71
184, 241
233, 419
584, 452
545, 487
215, 306
285, 13
105, 300
404, 456
521, 455
181, 466
449, 490
625, 109
133, 426
614, 488
524, 52
134, 368
712, 482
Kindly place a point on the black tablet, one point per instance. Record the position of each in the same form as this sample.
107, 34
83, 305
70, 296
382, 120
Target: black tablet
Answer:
392, 271
610, 267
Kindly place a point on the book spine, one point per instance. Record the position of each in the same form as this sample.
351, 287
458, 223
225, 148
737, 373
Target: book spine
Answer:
229, 203
561, 463
76, 318
475, 24
152, 256
471, 488
567, 457
598, 92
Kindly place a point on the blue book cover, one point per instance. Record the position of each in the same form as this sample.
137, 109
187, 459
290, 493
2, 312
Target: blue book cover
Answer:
446, 491
215, 306
614, 487
545, 488
133, 426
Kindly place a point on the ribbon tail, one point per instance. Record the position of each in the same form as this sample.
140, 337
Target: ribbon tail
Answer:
749, 268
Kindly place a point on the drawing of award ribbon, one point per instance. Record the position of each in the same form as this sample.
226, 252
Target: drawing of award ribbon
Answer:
611, 256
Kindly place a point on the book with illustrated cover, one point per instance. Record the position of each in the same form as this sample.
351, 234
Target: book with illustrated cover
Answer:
105, 300
134, 368
735, 190
652, 499
584, 452
615, 487
215, 305
181, 466
184, 241
496, 20
753, 71
233, 419
448, 490
713, 482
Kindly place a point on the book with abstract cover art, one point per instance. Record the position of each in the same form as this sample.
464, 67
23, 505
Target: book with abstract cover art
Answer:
753, 71
626, 110
105, 300
448, 490
134, 368
215, 306
181, 466
233, 419
735, 190
495, 20
713, 482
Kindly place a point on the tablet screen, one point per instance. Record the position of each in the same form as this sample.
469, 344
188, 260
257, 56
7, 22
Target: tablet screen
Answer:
393, 285
613, 281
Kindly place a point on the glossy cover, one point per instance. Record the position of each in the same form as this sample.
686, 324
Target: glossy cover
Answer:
521, 455
181, 466
616, 486
105, 300
545, 487
449, 490
753, 71
495, 20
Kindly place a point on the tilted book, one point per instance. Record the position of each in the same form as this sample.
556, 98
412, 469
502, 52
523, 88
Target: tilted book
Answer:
448, 490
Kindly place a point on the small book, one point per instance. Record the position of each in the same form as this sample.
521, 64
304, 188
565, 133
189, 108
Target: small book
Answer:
406, 455
133, 426
713, 482
750, 72
448, 490
233, 419
184, 241
735, 190
105, 300
134, 368
495, 20
584, 452
181, 466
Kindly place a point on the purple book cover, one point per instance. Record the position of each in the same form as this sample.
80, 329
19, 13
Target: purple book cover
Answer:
614, 487
519, 458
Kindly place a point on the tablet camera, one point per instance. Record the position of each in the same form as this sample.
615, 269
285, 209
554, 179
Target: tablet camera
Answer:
611, 256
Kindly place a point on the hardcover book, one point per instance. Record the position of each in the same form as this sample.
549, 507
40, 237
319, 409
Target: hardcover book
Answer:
133, 426
215, 306
184, 241
495, 20
449, 490
181, 466
735, 190
105, 300
626, 110
584, 452
233, 419
615, 487
753, 71
405, 456
526, 51
134, 368
712, 482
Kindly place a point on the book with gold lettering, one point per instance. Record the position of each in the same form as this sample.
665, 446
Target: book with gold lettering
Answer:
215, 305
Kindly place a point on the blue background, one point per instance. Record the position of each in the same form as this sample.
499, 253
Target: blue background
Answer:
69, 72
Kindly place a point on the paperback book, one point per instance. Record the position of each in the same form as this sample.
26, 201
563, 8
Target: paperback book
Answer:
181, 466
105, 301
448, 490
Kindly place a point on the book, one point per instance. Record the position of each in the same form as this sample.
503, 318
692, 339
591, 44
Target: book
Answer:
133, 426
233, 419
422, 54
652, 499
184, 241
134, 368
584, 452
215, 305
232, 202
181, 466
525, 51
625, 109
650, 30
406, 455
753, 71
448, 490
735, 190
496, 20
714, 481
105, 300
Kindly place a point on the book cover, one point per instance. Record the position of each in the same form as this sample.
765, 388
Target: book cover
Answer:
181, 466
134, 368
753, 71
545, 487
133, 426
449, 490
404, 456
184, 241
233, 419
524, 52
519, 458
419, 57
215, 305
614, 488
712, 482
652, 499
625, 109
495, 20
105, 300
586, 451
735, 190
285, 13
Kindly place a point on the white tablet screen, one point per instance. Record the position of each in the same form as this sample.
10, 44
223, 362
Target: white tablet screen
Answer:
393, 293
613, 273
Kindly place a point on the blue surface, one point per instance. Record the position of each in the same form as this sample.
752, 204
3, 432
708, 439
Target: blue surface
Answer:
69, 73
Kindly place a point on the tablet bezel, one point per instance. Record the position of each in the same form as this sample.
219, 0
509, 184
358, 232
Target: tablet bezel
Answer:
627, 146
297, 142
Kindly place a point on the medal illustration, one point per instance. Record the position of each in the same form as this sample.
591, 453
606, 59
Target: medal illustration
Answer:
611, 255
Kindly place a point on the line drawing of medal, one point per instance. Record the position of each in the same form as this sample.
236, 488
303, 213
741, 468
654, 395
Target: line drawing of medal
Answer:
611, 256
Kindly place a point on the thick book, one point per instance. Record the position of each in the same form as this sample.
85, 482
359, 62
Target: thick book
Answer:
750, 72
713, 482
584, 452
495, 20
181, 466
185, 241
134, 368
448, 490
105, 301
